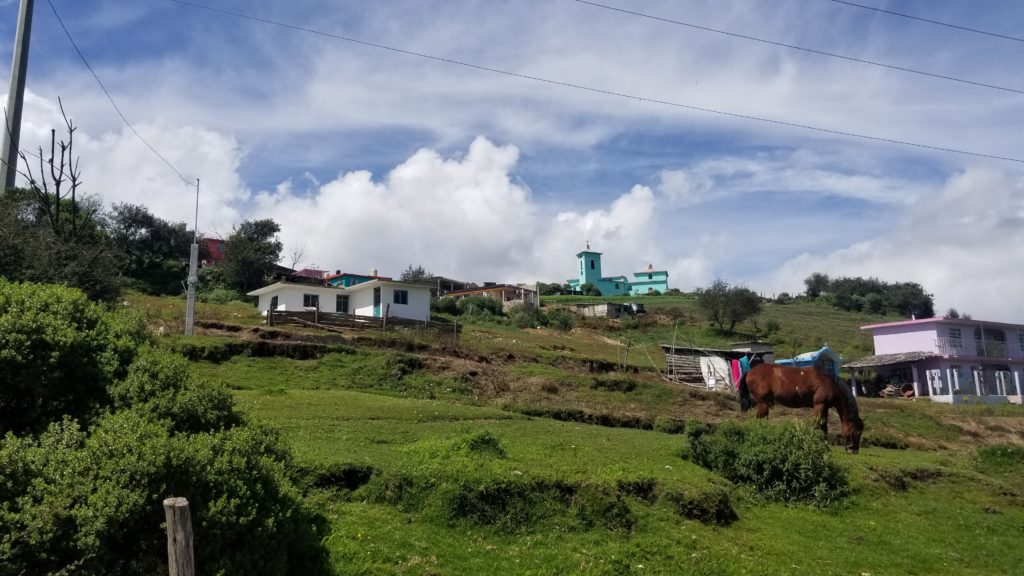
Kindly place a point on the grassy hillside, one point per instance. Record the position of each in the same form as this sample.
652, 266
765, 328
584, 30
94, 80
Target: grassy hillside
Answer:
487, 456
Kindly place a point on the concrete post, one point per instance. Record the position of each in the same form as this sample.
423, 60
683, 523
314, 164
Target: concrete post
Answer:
12, 116
977, 383
917, 380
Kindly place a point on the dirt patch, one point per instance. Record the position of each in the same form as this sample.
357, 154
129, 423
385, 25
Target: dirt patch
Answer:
987, 430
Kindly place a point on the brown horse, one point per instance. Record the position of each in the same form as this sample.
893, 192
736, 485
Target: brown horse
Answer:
768, 384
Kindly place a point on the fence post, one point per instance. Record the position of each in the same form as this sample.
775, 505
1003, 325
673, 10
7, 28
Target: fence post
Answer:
316, 314
270, 316
179, 537
387, 310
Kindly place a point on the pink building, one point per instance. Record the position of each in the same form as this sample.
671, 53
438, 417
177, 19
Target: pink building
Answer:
949, 359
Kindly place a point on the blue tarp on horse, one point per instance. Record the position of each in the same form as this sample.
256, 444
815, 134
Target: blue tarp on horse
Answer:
825, 360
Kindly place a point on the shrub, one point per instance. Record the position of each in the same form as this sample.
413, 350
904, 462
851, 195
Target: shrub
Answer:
159, 384
445, 306
525, 315
480, 306
219, 295
561, 319
785, 462
58, 353
91, 503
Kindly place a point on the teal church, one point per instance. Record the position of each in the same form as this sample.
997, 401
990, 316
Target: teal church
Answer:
649, 280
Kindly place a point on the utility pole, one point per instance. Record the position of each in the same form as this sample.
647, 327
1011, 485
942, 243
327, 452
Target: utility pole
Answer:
193, 272
12, 114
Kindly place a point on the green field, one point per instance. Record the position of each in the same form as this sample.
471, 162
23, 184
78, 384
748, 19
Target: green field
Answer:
432, 459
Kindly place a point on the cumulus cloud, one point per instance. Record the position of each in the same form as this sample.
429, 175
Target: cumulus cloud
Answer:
118, 167
964, 243
465, 217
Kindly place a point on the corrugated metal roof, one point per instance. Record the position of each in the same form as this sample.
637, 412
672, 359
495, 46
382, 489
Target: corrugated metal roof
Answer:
889, 359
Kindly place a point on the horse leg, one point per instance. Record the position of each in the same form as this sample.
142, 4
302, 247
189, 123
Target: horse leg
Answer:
762, 410
821, 418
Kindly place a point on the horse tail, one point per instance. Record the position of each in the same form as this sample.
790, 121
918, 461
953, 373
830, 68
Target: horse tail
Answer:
745, 402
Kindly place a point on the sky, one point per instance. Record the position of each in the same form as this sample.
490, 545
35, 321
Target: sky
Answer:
602, 131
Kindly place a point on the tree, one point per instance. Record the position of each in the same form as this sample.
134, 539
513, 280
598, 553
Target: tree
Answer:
417, 274
589, 289
251, 254
57, 234
724, 304
817, 284
952, 313
152, 251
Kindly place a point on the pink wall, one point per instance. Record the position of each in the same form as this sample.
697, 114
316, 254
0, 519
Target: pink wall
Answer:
912, 338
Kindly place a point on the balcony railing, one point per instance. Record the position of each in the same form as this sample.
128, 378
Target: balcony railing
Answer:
956, 347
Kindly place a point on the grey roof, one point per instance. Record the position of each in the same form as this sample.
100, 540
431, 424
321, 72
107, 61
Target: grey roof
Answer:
889, 359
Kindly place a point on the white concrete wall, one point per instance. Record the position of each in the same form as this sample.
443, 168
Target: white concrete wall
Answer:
418, 308
361, 302
289, 297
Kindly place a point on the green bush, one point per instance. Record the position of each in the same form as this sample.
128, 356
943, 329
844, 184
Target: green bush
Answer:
91, 503
561, 319
525, 316
158, 384
480, 306
785, 462
87, 499
219, 296
445, 306
58, 353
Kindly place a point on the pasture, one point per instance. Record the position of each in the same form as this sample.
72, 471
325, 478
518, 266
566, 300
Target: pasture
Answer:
487, 458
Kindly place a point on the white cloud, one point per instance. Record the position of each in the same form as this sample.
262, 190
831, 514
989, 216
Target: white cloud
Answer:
964, 243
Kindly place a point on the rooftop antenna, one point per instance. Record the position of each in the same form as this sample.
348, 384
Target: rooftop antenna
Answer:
588, 244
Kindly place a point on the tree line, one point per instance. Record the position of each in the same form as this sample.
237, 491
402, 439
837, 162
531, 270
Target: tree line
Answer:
907, 299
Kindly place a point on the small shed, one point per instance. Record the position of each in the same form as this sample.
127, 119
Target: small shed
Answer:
825, 360
604, 309
705, 367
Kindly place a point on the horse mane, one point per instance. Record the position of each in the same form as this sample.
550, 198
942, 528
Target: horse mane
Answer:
851, 401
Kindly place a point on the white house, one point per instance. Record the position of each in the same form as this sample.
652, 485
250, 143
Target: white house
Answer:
374, 298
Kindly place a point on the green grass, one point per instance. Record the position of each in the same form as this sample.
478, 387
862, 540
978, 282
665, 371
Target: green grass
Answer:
950, 519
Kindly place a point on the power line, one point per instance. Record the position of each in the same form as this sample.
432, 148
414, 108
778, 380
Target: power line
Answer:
918, 18
599, 90
111, 98
801, 48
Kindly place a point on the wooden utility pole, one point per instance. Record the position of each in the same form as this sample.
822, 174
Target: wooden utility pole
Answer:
180, 561
16, 96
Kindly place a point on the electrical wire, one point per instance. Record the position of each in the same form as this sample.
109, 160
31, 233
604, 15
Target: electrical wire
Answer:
937, 22
599, 90
794, 47
112, 102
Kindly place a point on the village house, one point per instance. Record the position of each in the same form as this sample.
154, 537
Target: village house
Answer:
949, 360
645, 282
507, 294
373, 296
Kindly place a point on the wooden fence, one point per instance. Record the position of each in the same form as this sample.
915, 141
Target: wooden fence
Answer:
335, 322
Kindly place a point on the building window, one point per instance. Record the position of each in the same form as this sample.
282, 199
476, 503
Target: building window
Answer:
955, 338
341, 304
1020, 340
592, 266
273, 303
616, 285
311, 301
650, 276
401, 296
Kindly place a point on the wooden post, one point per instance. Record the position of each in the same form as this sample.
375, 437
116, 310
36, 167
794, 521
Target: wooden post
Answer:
316, 314
180, 561
387, 310
270, 316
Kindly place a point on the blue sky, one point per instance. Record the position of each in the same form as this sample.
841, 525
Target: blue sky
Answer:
371, 158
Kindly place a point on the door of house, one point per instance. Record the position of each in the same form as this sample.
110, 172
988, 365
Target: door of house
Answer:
376, 302
273, 303
341, 304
